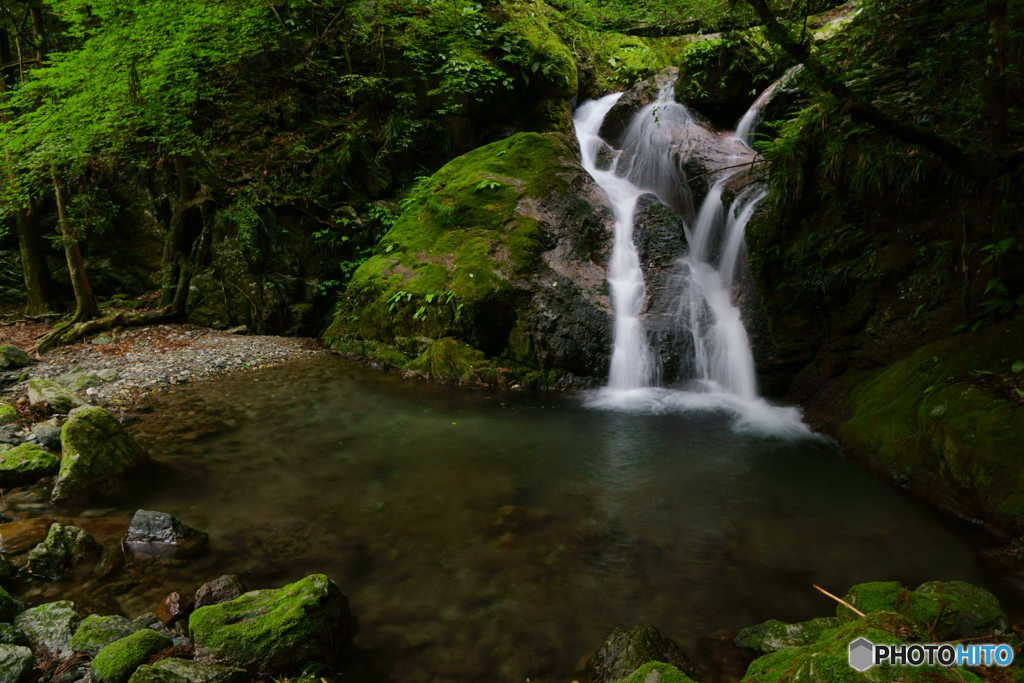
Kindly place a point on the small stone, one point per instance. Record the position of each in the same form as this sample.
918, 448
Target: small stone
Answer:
173, 670
64, 548
96, 632
60, 399
158, 534
10, 435
25, 464
227, 587
118, 661
173, 608
48, 433
16, 537
12, 358
49, 628
15, 662
101, 339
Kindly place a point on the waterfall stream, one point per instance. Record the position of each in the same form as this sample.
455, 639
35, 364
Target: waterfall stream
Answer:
720, 368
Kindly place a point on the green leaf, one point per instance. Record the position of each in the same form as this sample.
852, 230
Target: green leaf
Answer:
1018, 367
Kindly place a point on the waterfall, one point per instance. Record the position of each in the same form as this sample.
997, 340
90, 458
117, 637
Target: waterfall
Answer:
706, 311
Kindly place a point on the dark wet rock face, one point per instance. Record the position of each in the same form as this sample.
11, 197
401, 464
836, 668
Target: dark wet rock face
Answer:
158, 534
633, 100
625, 650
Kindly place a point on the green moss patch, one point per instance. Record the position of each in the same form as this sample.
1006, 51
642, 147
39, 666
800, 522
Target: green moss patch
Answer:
116, 662
25, 464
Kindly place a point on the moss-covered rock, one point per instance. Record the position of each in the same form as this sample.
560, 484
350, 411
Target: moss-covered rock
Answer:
59, 398
96, 632
8, 414
49, 627
11, 635
64, 547
15, 663
772, 635
657, 672
9, 605
25, 464
98, 455
626, 650
826, 658
470, 258
12, 358
947, 610
277, 629
173, 670
116, 662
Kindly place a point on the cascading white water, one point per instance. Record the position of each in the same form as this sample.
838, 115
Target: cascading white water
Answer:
722, 361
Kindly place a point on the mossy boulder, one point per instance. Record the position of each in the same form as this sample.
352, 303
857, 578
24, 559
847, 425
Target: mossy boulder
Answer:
25, 464
15, 663
49, 627
279, 629
826, 658
11, 635
657, 672
59, 398
951, 430
8, 414
627, 649
9, 606
12, 358
772, 635
64, 548
98, 456
492, 251
947, 610
174, 670
96, 632
116, 662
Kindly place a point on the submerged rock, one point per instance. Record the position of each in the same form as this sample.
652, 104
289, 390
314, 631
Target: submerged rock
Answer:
16, 537
25, 464
173, 670
625, 650
96, 632
58, 398
227, 587
12, 358
773, 635
98, 456
15, 663
49, 628
158, 534
118, 661
64, 548
277, 629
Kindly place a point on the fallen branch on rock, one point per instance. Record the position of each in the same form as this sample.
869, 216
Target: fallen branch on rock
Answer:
838, 599
69, 333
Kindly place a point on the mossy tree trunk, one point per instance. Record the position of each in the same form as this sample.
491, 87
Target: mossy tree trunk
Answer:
86, 306
176, 272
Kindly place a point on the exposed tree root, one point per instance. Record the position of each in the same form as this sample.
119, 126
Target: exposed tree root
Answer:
72, 331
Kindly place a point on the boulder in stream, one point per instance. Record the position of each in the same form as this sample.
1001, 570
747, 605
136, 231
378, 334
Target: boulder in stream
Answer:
227, 587
98, 457
118, 661
625, 650
174, 670
64, 547
96, 632
49, 628
158, 534
25, 464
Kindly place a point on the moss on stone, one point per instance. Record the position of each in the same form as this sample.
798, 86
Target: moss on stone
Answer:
49, 627
173, 670
116, 662
8, 414
774, 635
956, 609
874, 596
24, 464
98, 455
15, 663
11, 635
449, 359
826, 659
96, 632
657, 672
278, 629
12, 358
9, 606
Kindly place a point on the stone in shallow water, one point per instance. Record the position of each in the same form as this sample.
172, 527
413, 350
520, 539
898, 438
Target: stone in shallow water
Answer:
116, 662
625, 650
158, 534
98, 457
49, 627
278, 629
227, 587
173, 670
64, 547
15, 662
96, 632
19, 536
25, 464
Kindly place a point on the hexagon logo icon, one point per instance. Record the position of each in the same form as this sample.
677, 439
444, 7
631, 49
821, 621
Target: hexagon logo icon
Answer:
861, 654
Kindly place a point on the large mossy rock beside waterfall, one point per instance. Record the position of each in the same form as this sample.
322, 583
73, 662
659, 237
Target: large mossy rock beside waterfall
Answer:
502, 250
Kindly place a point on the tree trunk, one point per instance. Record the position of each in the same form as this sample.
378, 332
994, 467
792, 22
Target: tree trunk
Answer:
40, 292
86, 306
173, 259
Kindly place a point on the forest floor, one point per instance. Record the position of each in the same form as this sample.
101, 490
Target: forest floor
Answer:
125, 365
